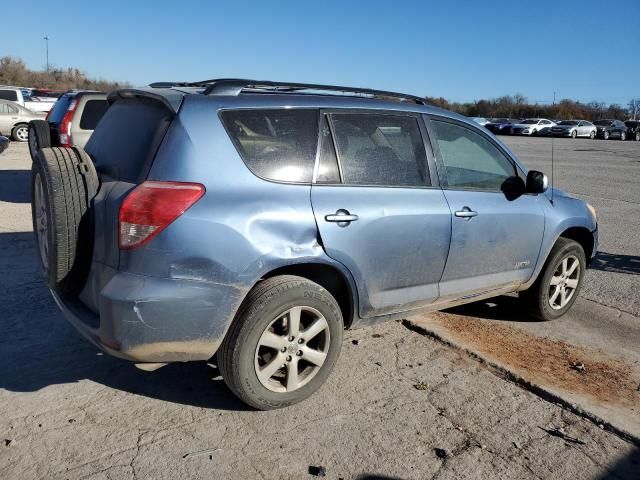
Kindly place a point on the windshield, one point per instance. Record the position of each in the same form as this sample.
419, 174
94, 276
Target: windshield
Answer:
602, 122
530, 122
60, 108
568, 122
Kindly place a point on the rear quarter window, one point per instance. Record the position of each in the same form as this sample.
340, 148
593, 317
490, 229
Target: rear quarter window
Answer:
9, 95
275, 144
92, 113
125, 141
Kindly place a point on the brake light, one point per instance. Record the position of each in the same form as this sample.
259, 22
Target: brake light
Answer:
65, 125
151, 207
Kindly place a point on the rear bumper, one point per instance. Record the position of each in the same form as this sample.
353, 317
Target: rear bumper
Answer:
147, 319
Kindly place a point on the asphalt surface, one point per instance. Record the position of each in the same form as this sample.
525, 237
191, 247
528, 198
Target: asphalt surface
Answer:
399, 404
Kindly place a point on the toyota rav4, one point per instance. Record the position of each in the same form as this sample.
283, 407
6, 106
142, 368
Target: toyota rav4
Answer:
256, 220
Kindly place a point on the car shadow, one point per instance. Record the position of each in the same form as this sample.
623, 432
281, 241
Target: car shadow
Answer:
627, 468
39, 348
506, 308
611, 262
15, 186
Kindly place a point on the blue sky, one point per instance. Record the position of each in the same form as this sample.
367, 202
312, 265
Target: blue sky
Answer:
461, 50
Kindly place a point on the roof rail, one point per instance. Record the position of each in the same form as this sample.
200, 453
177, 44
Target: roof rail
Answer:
235, 86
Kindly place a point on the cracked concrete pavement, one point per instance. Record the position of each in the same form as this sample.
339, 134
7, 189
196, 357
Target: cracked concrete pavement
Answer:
69, 411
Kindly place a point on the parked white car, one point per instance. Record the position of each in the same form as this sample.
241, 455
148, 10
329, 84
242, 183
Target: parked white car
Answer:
22, 98
480, 120
532, 126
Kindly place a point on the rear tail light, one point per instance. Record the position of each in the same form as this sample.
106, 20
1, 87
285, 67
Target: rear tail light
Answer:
151, 207
65, 125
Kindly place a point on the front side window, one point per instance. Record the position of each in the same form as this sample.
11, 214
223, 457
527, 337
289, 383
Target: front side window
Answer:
470, 160
380, 149
277, 144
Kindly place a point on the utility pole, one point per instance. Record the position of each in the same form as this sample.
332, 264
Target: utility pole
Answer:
46, 41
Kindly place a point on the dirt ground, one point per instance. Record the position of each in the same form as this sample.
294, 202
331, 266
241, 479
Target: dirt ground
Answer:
399, 404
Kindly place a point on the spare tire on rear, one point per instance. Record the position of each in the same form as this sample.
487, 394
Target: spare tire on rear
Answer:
39, 136
64, 182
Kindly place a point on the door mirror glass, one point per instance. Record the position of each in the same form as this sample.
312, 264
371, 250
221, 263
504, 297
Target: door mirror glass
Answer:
537, 182
4, 143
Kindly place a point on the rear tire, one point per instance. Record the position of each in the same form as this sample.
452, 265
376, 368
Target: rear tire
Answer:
605, 135
39, 136
264, 334
637, 136
559, 283
64, 181
20, 133
623, 136
592, 135
574, 134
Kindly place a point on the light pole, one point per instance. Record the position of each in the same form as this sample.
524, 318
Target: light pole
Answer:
46, 41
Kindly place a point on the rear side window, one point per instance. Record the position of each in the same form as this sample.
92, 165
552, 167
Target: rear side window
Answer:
6, 109
126, 140
470, 160
60, 108
92, 113
275, 144
9, 95
380, 149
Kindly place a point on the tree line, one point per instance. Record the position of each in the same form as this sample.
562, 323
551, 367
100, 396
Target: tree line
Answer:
14, 71
517, 106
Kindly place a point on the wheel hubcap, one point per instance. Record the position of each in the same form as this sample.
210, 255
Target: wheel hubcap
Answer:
22, 134
41, 225
564, 282
292, 349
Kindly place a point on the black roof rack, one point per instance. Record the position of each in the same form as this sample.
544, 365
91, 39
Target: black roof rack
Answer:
235, 86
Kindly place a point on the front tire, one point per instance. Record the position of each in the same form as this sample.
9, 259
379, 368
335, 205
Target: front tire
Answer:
605, 135
592, 135
559, 282
637, 136
574, 134
623, 136
283, 344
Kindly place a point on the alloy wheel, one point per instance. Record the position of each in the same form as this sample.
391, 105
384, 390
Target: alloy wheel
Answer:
564, 282
292, 349
22, 134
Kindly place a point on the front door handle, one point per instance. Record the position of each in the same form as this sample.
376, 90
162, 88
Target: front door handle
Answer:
341, 216
466, 213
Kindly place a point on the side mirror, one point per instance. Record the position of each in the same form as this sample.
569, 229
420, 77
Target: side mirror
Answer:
4, 143
537, 182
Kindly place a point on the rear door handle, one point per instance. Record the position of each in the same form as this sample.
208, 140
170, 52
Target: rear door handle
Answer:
341, 216
466, 212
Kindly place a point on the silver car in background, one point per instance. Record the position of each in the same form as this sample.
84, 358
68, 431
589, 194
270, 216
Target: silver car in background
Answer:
14, 120
574, 128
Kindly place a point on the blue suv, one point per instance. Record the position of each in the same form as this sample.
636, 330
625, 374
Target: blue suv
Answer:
256, 220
